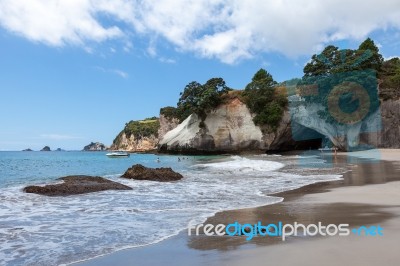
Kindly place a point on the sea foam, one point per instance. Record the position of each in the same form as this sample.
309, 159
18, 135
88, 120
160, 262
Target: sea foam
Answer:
55, 230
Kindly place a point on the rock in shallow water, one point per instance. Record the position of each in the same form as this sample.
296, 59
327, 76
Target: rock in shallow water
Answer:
78, 184
139, 172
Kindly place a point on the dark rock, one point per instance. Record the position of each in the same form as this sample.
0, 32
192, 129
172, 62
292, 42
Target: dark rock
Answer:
139, 172
27, 149
59, 149
46, 148
79, 184
95, 146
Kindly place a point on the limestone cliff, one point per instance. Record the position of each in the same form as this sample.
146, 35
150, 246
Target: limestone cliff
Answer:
228, 128
140, 144
166, 124
138, 136
381, 129
388, 135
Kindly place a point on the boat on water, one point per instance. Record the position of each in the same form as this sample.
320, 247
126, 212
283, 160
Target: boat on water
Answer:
117, 154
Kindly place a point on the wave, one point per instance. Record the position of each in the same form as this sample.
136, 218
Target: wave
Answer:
151, 212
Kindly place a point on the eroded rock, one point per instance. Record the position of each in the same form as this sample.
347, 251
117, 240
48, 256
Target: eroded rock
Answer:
78, 184
140, 172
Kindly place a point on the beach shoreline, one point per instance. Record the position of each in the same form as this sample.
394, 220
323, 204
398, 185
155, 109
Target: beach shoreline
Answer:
308, 204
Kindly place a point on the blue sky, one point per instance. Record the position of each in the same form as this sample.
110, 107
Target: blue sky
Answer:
77, 71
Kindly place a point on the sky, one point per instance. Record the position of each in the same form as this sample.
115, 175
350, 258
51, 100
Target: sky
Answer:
75, 71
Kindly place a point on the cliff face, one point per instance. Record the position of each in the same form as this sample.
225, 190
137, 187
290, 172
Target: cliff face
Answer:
229, 128
389, 125
138, 136
381, 129
166, 124
142, 144
390, 135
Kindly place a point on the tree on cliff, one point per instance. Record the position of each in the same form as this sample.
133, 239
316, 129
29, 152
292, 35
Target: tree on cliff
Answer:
201, 98
263, 99
343, 69
332, 60
375, 59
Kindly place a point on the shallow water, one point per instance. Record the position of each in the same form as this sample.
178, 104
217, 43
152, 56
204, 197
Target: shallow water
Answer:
39, 230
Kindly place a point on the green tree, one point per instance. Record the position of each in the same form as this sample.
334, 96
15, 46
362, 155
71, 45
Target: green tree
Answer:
332, 60
374, 59
333, 67
390, 78
262, 99
261, 79
322, 64
169, 112
200, 99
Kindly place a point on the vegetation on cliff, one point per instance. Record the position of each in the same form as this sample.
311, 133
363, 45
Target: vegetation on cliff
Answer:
198, 99
169, 112
139, 129
201, 98
390, 79
365, 66
265, 99
335, 76
262, 96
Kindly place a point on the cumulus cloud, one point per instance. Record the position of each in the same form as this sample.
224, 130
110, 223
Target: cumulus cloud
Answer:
228, 30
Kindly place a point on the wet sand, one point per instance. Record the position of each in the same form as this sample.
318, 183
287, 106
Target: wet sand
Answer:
368, 195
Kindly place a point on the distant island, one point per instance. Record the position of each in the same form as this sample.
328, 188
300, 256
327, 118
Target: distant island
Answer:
46, 148
95, 146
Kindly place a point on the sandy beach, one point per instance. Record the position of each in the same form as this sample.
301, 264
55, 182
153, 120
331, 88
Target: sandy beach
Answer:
368, 195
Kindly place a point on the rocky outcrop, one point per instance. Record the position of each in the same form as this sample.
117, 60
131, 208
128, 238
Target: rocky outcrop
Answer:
27, 149
76, 185
133, 144
380, 129
139, 172
46, 148
390, 133
95, 146
387, 124
166, 124
229, 128
138, 136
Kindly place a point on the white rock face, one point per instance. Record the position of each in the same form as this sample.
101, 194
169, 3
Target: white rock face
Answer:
183, 134
232, 127
229, 128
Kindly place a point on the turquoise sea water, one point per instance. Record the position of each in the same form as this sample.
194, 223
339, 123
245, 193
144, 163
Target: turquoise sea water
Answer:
40, 230
36, 167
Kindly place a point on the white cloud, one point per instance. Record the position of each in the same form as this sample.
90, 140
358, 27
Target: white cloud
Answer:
56, 23
167, 60
58, 137
391, 57
229, 30
118, 72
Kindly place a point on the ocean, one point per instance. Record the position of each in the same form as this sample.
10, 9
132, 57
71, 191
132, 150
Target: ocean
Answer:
40, 230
